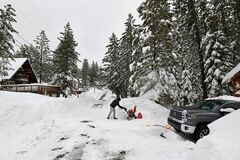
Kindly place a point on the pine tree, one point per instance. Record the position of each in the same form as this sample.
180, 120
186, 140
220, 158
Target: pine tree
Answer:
85, 72
7, 19
65, 62
190, 29
234, 29
195, 18
45, 58
93, 74
126, 50
217, 52
186, 94
157, 25
186, 70
6, 30
152, 46
23, 52
111, 66
136, 68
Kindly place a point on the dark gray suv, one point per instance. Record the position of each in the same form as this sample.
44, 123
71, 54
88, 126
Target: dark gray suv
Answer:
194, 120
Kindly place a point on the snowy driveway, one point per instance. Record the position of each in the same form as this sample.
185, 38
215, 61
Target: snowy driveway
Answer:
35, 127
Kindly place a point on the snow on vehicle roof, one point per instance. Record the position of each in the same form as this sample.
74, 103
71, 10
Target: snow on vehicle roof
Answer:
225, 97
231, 74
14, 65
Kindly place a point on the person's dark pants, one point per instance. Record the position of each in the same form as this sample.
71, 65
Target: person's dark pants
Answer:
112, 110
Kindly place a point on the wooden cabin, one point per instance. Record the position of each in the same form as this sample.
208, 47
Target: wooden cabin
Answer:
233, 79
20, 72
22, 78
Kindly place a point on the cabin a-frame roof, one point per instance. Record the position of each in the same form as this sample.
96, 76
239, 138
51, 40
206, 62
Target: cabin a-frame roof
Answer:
231, 74
14, 66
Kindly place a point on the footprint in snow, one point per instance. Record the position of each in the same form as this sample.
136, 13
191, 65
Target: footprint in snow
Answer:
86, 121
85, 135
21, 152
91, 126
63, 138
61, 156
58, 148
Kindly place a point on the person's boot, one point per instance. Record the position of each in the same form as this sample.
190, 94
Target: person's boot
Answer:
107, 117
114, 118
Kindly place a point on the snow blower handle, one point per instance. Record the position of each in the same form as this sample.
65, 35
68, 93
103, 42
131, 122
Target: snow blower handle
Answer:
124, 108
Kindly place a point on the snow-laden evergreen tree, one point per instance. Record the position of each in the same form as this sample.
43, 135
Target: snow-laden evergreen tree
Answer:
156, 17
186, 68
196, 18
186, 94
234, 29
93, 74
217, 52
153, 66
44, 70
126, 50
111, 67
85, 73
65, 62
7, 19
137, 59
191, 18
23, 52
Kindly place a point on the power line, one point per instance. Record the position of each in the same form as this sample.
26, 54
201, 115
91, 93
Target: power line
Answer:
23, 38
38, 13
35, 26
19, 43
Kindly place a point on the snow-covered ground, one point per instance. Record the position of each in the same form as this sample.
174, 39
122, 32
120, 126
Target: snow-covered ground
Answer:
36, 127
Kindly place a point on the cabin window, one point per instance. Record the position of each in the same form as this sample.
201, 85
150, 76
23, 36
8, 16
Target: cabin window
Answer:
10, 83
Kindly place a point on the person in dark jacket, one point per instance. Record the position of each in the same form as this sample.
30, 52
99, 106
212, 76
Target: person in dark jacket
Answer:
115, 103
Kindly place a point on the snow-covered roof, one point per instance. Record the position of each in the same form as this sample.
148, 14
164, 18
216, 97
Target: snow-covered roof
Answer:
231, 74
14, 65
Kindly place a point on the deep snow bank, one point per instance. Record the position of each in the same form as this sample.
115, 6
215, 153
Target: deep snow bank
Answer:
32, 125
223, 142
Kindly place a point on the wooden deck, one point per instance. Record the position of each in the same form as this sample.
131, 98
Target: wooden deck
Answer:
50, 90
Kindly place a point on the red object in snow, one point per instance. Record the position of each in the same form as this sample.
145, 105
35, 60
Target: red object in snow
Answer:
131, 113
135, 109
139, 116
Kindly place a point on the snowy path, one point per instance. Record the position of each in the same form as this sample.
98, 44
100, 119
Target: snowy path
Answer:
35, 127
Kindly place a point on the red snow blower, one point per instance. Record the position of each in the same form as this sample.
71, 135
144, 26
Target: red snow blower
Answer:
132, 113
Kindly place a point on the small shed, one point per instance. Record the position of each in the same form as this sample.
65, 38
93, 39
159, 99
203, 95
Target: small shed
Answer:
233, 79
22, 78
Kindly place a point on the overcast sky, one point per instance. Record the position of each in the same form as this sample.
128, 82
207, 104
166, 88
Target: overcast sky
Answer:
92, 21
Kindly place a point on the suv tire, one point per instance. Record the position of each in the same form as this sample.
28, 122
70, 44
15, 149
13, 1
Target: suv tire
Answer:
201, 131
